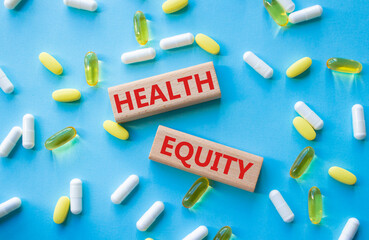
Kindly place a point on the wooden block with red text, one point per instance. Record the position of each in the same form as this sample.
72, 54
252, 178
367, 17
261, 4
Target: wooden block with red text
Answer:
164, 92
205, 158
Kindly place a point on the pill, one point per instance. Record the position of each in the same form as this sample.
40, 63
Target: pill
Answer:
306, 14
302, 162
177, 41
124, 189
149, 239
138, 55
9, 206
198, 234
150, 215
344, 65
28, 139
350, 229
171, 6
277, 12
88, 5
258, 65
11, 4
5, 83
61, 210
304, 128
315, 205
60, 138
358, 122
288, 5
91, 68
282, 207
195, 192
140, 28
298, 67
116, 130
207, 43
224, 233
66, 95
9, 141
315, 121
76, 196
50, 63
342, 175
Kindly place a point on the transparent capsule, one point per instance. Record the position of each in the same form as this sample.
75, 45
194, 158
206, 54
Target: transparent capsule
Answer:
302, 162
60, 138
344, 65
315, 204
224, 233
141, 29
276, 11
195, 192
91, 68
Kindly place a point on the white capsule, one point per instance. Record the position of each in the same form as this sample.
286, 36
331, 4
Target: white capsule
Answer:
28, 138
177, 41
76, 196
150, 215
88, 5
9, 206
5, 83
11, 4
350, 229
358, 122
282, 207
124, 189
258, 65
315, 121
288, 5
138, 55
306, 14
198, 234
9, 142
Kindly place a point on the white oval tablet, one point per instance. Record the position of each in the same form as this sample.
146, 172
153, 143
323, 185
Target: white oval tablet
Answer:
140, 55
258, 65
315, 121
282, 207
177, 41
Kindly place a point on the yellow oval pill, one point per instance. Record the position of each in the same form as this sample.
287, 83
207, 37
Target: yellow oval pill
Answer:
298, 67
304, 128
342, 175
61, 210
50, 63
66, 95
116, 130
207, 43
172, 6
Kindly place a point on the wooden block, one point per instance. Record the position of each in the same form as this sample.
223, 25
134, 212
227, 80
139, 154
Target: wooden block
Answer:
164, 92
205, 158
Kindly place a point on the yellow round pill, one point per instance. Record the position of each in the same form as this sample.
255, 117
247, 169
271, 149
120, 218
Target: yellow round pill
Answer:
298, 67
50, 63
116, 130
61, 210
172, 6
207, 43
342, 175
66, 95
304, 128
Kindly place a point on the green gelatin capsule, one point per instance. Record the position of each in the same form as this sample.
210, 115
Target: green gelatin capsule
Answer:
141, 29
315, 204
302, 162
91, 68
277, 12
195, 192
344, 65
224, 233
60, 138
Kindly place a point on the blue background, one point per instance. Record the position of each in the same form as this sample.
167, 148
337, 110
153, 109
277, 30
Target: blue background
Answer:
254, 115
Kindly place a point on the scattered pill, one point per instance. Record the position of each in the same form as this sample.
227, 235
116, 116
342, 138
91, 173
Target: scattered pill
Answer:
276, 11
288, 5
258, 65
342, 175
76, 196
207, 43
28, 139
315, 121
9, 206
177, 41
195, 192
10, 140
124, 189
116, 130
171, 6
344, 65
149, 239
5, 83
150, 216
60, 138
315, 205
91, 68
61, 210
304, 128
298, 67
350, 229
198, 234
302, 162
66, 95
50, 63
140, 27
282, 207
140, 55
224, 233
88, 5
306, 14
358, 122
11, 4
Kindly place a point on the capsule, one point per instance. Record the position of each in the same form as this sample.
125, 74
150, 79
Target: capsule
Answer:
61, 210
258, 65
150, 216
282, 207
195, 192
140, 55
315, 121
91, 68
50, 63
11, 4
171, 6
288, 5
315, 205
350, 229
5, 84
28, 139
76, 196
140, 27
60, 138
124, 189
177, 41
207, 43
276, 11
342, 175
116, 130
9, 141
306, 14
66, 95
88, 5
344, 65
224, 233
9, 206
302, 162
358, 122
298, 67
198, 234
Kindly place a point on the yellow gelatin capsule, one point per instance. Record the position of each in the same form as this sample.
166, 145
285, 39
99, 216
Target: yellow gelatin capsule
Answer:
342, 175
224, 233
140, 27
50, 63
315, 205
66, 95
298, 67
61, 210
172, 6
60, 138
304, 128
195, 192
302, 162
207, 43
276, 11
116, 130
344, 65
91, 68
